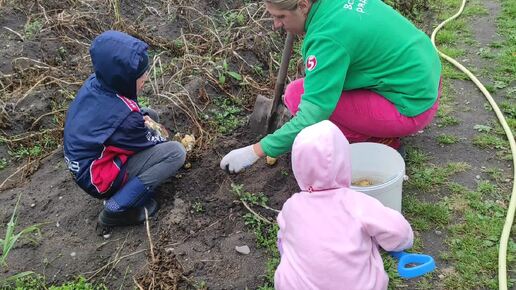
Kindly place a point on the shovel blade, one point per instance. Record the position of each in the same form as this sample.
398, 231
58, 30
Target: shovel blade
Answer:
259, 119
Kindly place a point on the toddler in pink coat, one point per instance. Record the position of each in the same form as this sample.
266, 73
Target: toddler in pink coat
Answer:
328, 233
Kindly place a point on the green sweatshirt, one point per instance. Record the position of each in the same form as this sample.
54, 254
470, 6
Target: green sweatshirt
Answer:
360, 44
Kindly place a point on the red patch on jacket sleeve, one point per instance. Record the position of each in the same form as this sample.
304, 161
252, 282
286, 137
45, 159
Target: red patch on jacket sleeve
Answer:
104, 170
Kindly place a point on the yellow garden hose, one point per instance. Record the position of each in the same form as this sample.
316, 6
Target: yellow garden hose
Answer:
502, 254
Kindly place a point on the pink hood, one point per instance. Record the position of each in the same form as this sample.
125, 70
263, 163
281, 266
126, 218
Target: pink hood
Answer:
325, 149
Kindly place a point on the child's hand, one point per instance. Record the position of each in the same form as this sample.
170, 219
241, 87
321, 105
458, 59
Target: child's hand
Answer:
155, 126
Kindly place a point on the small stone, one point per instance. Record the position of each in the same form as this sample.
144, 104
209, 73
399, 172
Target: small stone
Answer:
32, 205
73, 254
477, 177
507, 180
57, 224
187, 165
60, 197
243, 249
107, 236
438, 233
405, 177
441, 276
169, 250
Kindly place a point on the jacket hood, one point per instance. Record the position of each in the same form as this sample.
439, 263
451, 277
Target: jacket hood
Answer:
116, 58
321, 158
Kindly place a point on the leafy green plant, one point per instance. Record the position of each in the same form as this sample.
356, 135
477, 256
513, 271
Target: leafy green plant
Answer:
11, 238
32, 28
232, 18
483, 128
3, 163
198, 207
225, 116
23, 152
224, 70
143, 101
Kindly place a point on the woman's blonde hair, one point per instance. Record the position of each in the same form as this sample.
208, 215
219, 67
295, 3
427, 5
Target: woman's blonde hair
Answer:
283, 4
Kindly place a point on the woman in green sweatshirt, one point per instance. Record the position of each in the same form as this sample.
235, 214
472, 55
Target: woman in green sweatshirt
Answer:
367, 69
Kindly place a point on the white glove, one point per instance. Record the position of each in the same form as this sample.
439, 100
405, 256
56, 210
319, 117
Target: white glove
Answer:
239, 159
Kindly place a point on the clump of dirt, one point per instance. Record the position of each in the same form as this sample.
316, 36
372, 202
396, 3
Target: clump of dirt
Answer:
163, 272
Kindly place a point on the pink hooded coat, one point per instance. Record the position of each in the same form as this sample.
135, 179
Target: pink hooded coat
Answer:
329, 234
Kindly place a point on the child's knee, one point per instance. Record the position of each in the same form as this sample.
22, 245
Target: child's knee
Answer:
176, 152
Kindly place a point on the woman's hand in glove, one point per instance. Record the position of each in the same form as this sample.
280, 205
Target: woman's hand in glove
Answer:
239, 159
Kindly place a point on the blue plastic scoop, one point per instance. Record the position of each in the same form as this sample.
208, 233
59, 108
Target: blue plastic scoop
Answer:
420, 264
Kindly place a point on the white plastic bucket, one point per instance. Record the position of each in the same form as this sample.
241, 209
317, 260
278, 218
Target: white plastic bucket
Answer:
383, 167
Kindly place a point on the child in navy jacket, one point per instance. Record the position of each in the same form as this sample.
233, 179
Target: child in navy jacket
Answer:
108, 145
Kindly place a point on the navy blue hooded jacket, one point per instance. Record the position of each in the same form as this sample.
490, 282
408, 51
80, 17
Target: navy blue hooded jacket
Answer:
104, 125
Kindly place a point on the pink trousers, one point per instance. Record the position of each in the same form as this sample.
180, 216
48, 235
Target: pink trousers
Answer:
364, 115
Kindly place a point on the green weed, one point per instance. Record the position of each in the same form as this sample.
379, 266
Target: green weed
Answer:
223, 71
225, 117
7, 244
32, 29
446, 121
197, 207
446, 139
266, 234
3, 163
143, 101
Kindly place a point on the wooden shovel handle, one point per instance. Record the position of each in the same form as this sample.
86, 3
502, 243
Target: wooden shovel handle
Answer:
282, 74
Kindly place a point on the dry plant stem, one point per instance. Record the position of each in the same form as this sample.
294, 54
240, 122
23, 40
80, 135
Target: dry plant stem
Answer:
23, 167
138, 285
269, 208
16, 139
117, 254
19, 35
30, 90
47, 114
114, 262
257, 215
149, 235
12, 175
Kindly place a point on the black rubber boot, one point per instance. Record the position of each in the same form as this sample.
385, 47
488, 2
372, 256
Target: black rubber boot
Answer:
132, 216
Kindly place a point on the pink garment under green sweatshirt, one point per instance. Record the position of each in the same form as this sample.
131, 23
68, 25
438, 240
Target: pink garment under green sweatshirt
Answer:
329, 234
360, 44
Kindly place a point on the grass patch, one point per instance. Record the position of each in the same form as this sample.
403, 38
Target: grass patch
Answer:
430, 177
478, 231
38, 282
424, 216
446, 139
